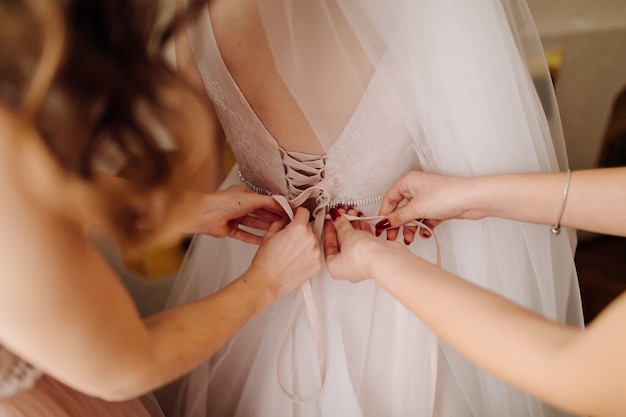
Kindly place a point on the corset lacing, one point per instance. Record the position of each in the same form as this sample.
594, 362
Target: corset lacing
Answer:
304, 174
306, 187
15, 374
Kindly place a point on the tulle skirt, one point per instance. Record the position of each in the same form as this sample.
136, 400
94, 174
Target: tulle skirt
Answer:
380, 359
50, 398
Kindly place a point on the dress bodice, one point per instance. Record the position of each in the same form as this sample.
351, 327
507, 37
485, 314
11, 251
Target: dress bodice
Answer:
361, 163
15, 374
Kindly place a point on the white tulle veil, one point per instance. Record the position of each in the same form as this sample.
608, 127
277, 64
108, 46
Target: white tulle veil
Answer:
467, 80
461, 75
470, 82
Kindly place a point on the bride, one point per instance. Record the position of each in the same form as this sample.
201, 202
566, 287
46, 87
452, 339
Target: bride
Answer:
329, 102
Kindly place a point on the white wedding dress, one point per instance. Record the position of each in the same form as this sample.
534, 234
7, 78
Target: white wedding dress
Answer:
380, 360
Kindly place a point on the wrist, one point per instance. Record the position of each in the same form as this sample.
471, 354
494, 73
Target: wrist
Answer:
257, 289
387, 261
475, 198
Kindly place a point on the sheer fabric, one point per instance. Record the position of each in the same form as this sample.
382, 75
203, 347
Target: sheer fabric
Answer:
446, 86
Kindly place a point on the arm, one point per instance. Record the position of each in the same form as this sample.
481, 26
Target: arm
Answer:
65, 311
580, 371
595, 199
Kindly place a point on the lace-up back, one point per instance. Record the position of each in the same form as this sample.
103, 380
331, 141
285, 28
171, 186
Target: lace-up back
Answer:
361, 163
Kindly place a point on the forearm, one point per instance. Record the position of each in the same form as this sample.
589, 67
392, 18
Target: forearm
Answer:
512, 343
183, 337
595, 199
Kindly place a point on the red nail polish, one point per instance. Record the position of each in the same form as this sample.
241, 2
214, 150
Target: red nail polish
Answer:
360, 214
383, 224
349, 208
334, 213
406, 242
378, 232
340, 205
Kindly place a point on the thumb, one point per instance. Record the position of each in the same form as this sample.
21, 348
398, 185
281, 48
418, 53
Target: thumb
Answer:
275, 227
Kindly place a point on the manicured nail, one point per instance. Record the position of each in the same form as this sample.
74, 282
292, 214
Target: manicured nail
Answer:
406, 242
334, 213
378, 232
360, 214
350, 207
340, 205
383, 224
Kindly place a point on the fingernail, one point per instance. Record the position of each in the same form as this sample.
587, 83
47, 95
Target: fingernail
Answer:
334, 213
360, 214
350, 207
378, 232
340, 205
406, 242
383, 224
426, 234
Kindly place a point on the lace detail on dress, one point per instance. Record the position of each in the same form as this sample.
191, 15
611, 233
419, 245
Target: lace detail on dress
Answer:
15, 374
239, 131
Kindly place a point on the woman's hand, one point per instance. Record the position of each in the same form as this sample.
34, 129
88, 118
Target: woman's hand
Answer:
289, 254
224, 212
351, 250
430, 198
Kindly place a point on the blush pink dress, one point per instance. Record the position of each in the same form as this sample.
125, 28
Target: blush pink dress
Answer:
26, 392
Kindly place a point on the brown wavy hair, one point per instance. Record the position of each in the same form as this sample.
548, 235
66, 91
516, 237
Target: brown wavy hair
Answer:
95, 92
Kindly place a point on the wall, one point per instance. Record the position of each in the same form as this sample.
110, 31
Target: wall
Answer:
591, 34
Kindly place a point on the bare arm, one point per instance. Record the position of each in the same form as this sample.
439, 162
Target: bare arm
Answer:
580, 371
595, 199
65, 311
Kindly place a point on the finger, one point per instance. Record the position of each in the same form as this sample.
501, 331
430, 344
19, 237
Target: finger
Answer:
365, 226
355, 223
257, 223
275, 227
409, 234
392, 198
342, 226
270, 213
392, 233
301, 216
247, 237
394, 220
425, 233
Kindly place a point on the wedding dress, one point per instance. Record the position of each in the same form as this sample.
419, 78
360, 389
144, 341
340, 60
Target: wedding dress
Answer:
26, 392
449, 91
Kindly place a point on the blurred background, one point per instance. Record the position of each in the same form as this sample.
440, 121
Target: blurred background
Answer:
585, 43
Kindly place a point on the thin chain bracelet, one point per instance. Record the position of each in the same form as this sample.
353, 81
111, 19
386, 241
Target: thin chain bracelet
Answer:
556, 229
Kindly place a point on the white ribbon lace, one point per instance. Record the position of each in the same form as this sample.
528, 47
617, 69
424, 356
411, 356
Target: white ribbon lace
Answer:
306, 187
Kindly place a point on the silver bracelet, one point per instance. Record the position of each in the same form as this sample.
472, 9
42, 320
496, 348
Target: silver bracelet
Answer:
556, 229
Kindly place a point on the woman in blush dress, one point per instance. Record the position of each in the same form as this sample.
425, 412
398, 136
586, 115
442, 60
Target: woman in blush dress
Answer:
328, 103
85, 90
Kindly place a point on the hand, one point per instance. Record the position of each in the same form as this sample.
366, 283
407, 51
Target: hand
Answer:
350, 248
289, 254
430, 198
223, 212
